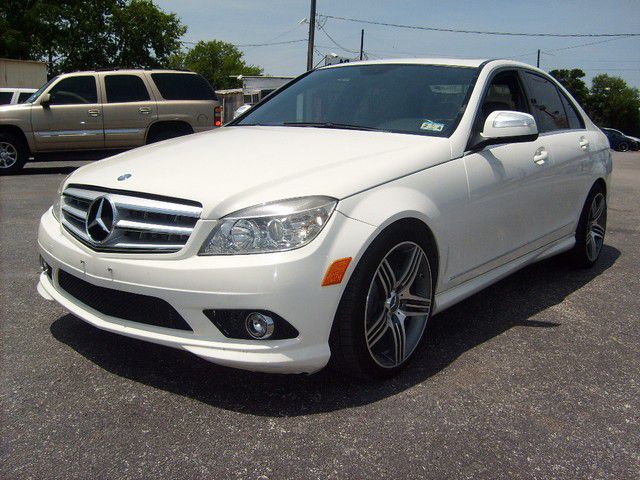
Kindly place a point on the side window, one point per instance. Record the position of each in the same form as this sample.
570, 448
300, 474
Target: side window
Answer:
125, 88
5, 98
546, 104
504, 93
24, 96
573, 117
183, 86
74, 91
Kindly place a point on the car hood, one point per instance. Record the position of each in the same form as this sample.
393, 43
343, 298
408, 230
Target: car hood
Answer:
236, 167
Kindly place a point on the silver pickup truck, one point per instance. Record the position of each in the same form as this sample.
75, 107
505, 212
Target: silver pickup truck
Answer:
98, 110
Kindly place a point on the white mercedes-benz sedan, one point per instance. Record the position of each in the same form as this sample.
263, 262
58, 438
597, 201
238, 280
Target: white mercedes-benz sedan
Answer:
333, 219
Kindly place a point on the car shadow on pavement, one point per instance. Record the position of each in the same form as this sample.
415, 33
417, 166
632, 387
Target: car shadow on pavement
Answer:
507, 304
50, 170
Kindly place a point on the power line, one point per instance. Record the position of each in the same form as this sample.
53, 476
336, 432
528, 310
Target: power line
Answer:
258, 44
481, 32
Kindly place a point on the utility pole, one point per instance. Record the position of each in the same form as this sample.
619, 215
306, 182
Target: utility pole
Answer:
361, 43
312, 31
538, 62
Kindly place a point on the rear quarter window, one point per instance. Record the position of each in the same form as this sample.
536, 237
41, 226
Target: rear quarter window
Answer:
5, 98
183, 86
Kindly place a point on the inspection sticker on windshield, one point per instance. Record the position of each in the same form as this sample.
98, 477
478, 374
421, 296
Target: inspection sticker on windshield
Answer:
432, 126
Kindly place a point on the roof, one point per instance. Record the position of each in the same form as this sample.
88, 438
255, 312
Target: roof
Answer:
129, 70
453, 62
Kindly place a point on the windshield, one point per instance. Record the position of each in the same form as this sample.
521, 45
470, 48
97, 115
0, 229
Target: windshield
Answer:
38, 92
403, 98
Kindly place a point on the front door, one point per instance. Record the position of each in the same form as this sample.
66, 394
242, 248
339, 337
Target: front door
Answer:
128, 110
73, 118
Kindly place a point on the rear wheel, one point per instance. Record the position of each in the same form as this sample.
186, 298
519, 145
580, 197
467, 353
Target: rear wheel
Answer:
385, 308
591, 229
13, 154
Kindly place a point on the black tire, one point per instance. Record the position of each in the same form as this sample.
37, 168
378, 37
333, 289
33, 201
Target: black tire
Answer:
623, 147
14, 153
167, 132
350, 353
582, 254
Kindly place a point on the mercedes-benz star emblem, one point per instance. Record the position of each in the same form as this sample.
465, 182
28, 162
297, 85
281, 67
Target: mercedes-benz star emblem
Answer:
124, 176
101, 218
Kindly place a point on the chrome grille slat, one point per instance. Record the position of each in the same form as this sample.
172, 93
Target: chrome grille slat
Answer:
140, 224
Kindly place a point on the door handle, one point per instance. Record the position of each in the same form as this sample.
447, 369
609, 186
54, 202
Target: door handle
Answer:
145, 110
584, 143
94, 112
541, 156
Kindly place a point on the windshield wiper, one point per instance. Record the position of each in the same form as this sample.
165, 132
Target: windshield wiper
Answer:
344, 126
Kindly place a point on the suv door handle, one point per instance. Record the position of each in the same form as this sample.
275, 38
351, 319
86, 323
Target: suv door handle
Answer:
584, 143
540, 157
145, 110
94, 112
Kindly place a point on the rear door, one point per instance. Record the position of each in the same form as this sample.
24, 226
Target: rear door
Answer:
129, 108
73, 118
563, 129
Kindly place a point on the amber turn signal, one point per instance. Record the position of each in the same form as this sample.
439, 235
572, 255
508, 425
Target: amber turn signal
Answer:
335, 272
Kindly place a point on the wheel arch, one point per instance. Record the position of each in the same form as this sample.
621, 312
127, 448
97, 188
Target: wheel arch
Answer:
18, 132
160, 125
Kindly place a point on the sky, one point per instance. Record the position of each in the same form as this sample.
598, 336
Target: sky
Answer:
246, 22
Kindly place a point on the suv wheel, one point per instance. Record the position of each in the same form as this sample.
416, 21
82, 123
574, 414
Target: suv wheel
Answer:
384, 310
591, 229
13, 154
623, 147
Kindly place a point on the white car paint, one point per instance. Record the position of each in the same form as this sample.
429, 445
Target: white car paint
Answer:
491, 212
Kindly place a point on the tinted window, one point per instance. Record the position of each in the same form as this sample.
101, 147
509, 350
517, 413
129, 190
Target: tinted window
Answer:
504, 93
5, 98
74, 90
546, 104
125, 88
183, 86
575, 121
23, 97
403, 98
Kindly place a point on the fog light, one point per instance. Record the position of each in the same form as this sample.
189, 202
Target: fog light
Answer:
259, 326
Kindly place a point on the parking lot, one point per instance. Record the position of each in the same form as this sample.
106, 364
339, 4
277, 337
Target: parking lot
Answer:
536, 377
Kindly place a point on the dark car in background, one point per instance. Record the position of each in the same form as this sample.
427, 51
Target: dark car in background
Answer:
619, 141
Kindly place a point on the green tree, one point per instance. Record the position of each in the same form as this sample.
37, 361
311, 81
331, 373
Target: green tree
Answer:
77, 35
572, 81
613, 103
217, 61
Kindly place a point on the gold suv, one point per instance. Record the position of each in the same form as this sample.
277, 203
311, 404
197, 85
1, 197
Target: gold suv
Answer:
98, 110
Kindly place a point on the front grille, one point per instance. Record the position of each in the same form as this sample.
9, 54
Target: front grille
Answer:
124, 305
140, 223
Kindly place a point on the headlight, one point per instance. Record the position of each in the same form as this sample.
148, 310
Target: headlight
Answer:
57, 202
272, 227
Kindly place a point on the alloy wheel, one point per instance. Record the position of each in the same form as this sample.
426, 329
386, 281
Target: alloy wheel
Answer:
623, 147
8, 155
596, 226
398, 304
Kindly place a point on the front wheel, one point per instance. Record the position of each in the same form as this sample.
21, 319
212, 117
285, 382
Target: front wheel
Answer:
384, 310
591, 229
623, 147
13, 154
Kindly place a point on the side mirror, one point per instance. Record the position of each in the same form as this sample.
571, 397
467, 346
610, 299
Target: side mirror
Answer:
505, 126
45, 100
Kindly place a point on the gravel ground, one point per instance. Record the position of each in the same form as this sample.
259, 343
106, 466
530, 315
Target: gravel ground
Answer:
536, 377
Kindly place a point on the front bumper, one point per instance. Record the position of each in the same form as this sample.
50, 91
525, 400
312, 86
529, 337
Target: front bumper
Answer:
286, 283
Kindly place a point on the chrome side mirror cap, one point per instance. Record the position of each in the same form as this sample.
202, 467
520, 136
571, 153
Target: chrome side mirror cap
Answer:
509, 126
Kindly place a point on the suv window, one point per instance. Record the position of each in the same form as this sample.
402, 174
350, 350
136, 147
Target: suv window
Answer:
504, 93
5, 98
183, 86
24, 96
125, 88
574, 118
546, 103
74, 90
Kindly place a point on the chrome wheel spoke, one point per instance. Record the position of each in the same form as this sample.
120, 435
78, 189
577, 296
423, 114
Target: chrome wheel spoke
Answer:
399, 337
378, 329
415, 305
597, 231
413, 267
387, 277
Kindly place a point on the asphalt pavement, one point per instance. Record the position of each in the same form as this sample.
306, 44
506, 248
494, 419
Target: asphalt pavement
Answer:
537, 376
